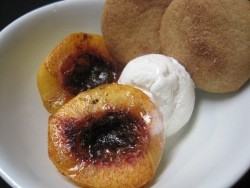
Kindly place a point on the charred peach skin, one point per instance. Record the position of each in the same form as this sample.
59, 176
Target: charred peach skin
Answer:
78, 63
110, 136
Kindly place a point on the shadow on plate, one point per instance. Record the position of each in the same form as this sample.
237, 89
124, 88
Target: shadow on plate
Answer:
174, 140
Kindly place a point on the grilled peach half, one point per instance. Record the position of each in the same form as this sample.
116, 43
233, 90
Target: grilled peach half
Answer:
79, 62
109, 136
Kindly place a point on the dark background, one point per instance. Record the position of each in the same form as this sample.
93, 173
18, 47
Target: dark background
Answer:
12, 9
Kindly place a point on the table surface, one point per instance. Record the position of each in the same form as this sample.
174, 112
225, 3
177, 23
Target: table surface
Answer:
12, 9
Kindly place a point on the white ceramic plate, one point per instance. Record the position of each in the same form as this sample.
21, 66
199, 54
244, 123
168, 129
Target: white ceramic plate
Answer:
211, 151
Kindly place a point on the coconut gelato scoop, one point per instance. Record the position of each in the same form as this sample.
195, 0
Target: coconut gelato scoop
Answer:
167, 83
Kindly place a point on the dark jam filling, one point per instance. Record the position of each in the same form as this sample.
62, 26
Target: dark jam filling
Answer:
112, 138
83, 71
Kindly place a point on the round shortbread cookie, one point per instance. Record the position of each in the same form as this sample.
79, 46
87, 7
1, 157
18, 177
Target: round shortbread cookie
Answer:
211, 39
131, 27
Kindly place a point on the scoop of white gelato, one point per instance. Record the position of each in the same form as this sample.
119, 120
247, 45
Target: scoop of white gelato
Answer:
167, 83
